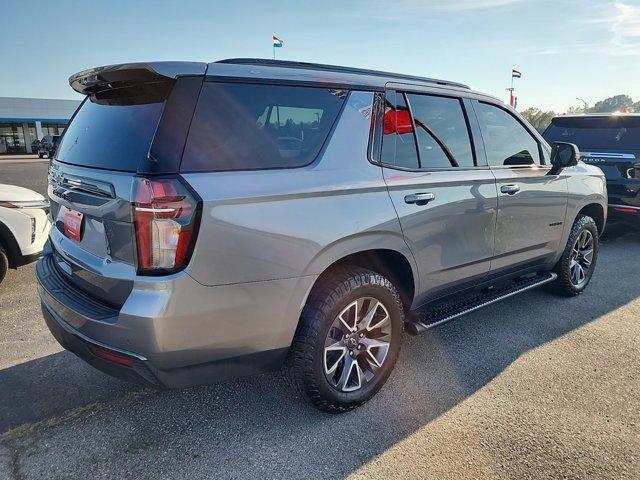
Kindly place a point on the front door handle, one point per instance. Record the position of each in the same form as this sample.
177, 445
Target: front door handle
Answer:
510, 189
419, 198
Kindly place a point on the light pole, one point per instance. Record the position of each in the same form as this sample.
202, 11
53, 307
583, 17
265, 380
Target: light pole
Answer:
586, 105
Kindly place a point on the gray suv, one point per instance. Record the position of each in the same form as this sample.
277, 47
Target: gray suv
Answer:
223, 219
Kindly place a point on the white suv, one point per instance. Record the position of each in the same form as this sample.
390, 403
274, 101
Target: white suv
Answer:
24, 226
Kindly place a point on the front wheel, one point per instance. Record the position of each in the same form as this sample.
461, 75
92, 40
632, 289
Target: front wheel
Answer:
348, 339
578, 260
4, 264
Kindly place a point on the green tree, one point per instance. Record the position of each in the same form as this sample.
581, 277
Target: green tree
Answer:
613, 104
538, 118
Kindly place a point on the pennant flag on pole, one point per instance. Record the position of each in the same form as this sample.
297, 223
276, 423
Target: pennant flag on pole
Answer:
277, 43
514, 73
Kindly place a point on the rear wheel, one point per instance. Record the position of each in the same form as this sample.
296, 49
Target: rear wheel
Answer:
4, 264
578, 260
348, 339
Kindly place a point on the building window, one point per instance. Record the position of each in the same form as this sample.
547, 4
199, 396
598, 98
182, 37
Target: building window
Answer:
52, 128
12, 138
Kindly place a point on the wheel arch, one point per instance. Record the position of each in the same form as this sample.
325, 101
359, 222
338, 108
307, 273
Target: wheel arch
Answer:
597, 212
389, 258
10, 245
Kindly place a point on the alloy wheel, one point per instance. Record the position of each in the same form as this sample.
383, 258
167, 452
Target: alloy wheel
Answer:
581, 258
357, 344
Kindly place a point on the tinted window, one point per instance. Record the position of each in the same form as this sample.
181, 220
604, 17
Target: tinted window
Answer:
613, 132
115, 137
398, 142
442, 133
242, 126
506, 140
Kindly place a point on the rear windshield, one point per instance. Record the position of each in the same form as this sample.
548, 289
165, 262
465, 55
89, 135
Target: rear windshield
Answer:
114, 137
614, 132
252, 126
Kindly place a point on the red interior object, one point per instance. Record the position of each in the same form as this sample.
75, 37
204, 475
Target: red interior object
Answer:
111, 356
397, 121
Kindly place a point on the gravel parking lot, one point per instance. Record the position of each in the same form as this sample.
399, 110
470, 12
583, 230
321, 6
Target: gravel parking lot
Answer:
534, 387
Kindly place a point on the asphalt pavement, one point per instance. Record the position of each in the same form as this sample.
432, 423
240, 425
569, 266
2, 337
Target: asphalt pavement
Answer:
536, 386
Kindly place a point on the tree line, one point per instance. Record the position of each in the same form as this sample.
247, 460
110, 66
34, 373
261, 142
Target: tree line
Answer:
541, 119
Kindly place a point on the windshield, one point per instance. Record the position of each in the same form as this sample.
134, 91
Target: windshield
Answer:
611, 133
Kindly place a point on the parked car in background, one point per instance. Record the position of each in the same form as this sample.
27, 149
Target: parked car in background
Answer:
215, 220
48, 146
612, 143
24, 226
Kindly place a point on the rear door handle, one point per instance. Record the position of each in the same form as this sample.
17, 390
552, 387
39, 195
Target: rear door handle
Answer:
510, 189
419, 198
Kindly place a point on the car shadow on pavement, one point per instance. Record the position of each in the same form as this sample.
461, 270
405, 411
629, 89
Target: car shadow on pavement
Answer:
252, 427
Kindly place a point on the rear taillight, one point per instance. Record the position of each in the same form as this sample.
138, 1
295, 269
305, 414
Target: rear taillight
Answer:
166, 216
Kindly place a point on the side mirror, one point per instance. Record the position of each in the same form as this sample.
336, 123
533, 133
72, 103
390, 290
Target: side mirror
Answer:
563, 155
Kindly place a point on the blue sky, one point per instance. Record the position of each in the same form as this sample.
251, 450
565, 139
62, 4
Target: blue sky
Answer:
565, 49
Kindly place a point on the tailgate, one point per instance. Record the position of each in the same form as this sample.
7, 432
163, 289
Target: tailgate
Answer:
134, 121
102, 262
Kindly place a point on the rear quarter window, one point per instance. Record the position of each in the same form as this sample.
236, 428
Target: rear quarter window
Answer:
254, 126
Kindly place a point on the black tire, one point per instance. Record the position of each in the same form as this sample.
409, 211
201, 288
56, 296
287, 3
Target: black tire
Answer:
4, 264
305, 366
40, 155
564, 285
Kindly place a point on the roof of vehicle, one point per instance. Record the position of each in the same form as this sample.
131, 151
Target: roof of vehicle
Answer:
316, 72
593, 115
96, 80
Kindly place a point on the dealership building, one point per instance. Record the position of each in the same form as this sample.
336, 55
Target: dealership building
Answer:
23, 120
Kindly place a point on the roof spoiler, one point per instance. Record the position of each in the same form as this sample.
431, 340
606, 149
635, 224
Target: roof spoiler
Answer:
132, 83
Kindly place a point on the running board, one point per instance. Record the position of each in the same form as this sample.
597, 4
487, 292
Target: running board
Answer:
428, 318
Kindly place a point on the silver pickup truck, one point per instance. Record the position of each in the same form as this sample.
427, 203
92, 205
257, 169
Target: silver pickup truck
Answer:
222, 219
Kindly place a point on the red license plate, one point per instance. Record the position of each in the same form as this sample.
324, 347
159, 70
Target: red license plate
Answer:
73, 225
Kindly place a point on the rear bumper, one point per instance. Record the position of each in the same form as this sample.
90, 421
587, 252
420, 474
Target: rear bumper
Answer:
82, 346
176, 332
140, 370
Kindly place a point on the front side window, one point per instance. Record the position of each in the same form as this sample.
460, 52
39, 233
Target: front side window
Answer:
251, 126
441, 130
507, 141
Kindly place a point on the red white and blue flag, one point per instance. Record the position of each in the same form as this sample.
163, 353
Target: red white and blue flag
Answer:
277, 43
514, 73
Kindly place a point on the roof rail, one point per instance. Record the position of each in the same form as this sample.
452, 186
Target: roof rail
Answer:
337, 69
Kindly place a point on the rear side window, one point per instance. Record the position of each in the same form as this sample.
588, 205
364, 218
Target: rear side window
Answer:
507, 141
441, 130
253, 126
398, 142
114, 137
437, 136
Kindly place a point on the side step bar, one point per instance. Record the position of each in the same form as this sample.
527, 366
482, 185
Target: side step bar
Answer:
429, 318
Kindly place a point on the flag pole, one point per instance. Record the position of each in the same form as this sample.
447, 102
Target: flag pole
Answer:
510, 90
